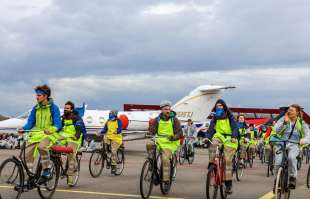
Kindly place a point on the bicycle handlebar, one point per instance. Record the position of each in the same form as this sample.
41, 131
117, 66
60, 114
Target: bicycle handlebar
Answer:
284, 141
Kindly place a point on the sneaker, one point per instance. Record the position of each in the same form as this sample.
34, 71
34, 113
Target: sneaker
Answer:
46, 174
113, 169
292, 184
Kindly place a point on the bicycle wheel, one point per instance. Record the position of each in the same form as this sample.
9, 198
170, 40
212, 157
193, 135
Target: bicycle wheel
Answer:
212, 188
182, 154
191, 154
308, 177
96, 163
279, 184
299, 161
12, 177
120, 162
77, 169
146, 179
47, 189
239, 170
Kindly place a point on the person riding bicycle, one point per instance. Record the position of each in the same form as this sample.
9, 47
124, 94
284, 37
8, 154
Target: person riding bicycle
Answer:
113, 137
266, 141
190, 133
71, 135
292, 127
253, 140
223, 131
167, 130
43, 124
243, 137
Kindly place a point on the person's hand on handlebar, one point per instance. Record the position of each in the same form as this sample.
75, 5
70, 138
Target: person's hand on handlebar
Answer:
47, 132
303, 141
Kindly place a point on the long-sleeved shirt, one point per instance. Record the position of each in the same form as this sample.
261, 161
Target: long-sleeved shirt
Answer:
286, 129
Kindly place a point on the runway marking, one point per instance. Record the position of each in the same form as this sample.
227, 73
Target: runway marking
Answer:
102, 193
270, 195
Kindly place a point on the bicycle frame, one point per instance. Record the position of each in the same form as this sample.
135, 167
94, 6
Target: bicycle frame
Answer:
284, 162
219, 163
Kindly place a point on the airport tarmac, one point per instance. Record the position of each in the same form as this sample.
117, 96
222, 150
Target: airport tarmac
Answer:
189, 184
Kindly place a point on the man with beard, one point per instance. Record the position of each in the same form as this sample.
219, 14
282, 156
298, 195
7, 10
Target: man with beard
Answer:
71, 135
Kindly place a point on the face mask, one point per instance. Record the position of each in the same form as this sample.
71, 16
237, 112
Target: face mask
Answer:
219, 112
112, 116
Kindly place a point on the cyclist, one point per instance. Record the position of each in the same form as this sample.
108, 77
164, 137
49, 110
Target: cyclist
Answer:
71, 134
113, 131
43, 123
292, 127
243, 137
190, 133
253, 140
266, 141
223, 131
167, 130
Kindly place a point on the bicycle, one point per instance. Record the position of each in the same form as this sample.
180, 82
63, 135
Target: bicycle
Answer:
15, 173
281, 184
187, 151
152, 173
249, 159
101, 158
215, 175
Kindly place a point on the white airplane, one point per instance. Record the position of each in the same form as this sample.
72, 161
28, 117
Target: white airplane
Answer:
196, 106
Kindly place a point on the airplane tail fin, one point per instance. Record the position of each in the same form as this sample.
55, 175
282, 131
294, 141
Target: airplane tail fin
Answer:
198, 104
81, 110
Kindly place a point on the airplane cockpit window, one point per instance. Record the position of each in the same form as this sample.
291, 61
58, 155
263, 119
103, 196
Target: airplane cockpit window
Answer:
101, 120
89, 119
24, 115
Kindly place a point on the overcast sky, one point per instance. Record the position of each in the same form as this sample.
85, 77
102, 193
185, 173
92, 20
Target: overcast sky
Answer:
111, 52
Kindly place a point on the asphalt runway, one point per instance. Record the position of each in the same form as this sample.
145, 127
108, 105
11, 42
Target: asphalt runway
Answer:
189, 184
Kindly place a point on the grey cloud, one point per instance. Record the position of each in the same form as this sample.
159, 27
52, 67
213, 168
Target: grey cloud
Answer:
114, 37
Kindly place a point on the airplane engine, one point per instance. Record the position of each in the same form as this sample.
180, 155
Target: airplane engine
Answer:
125, 121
